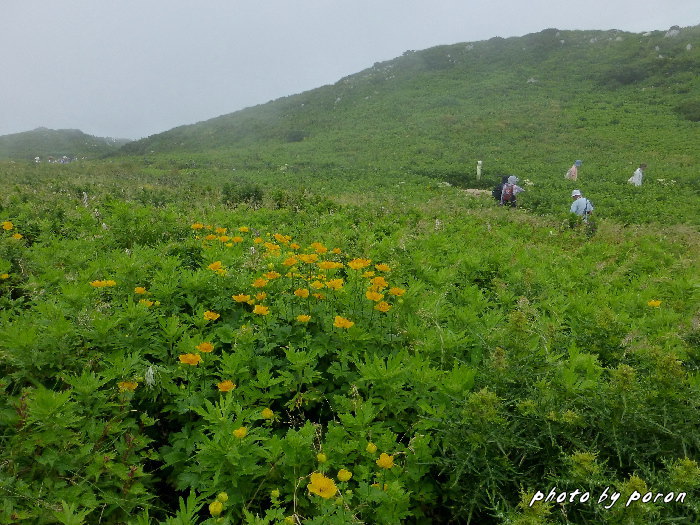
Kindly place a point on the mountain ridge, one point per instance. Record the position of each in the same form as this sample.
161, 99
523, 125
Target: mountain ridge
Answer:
44, 142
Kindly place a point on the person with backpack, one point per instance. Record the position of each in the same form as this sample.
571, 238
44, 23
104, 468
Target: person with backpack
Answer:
581, 205
510, 192
496, 192
572, 173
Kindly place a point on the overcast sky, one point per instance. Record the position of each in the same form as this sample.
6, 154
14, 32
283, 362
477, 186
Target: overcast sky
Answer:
132, 68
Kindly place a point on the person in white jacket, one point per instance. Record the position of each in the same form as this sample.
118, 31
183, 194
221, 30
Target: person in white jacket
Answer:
638, 175
581, 205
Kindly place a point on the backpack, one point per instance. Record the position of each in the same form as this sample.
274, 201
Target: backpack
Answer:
496, 192
507, 194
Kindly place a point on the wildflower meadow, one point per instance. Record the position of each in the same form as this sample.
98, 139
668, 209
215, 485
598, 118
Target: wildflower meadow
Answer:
413, 354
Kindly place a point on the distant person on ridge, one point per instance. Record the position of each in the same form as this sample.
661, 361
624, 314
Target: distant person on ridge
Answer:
496, 193
638, 175
581, 205
510, 192
572, 173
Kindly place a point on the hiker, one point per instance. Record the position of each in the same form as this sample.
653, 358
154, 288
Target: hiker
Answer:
510, 192
637, 176
572, 173
496, 192
581, 205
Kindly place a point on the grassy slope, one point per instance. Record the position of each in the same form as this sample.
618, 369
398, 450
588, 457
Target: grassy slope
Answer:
438, 110
43, 142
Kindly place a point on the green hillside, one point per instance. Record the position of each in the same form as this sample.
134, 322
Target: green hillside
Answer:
297, 314
608, 97
56, 143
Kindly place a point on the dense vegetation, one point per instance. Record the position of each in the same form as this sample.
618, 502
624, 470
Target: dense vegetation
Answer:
304, 318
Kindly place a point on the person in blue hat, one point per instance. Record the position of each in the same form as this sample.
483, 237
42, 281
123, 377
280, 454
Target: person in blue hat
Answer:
572, 174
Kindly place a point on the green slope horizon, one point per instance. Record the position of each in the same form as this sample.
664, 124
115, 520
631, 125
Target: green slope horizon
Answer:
56, 143
522, 104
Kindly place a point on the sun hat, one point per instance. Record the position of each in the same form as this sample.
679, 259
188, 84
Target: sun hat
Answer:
512, 179
576, 193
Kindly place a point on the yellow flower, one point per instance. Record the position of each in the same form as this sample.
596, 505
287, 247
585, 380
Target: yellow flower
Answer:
226, 386
140, 290
211, 316
272, 275
284, 239
382, 306
344, 475
329, 265
303, 318
385, 460
337, 250
222, 497
267, 413
146, 302
190, 359
97, 284
308, 258
654, 303
210, 237
294, 246
371, 448
110, 282
335, 284
322, 486
342, 322
368, 274
321, 457
224, 238
7, 225
197, 226
317, 285
240, 432
258, 240
290, 261
275, 493
260, 296
261, 310
358, 264
398, 292
216, 265
319, 296
5, 276
301, 292
221, 231
236, 239
127, 385
241, 298
205, 347
260, 283
383, 267
379, 282
319, 247
243, 229
216, 508
374, 296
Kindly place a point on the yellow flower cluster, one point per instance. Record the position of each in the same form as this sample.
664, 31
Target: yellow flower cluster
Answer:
316, 265
103, 284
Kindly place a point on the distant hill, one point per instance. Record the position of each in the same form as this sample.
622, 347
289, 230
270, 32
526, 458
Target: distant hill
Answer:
540, 100
43, 142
